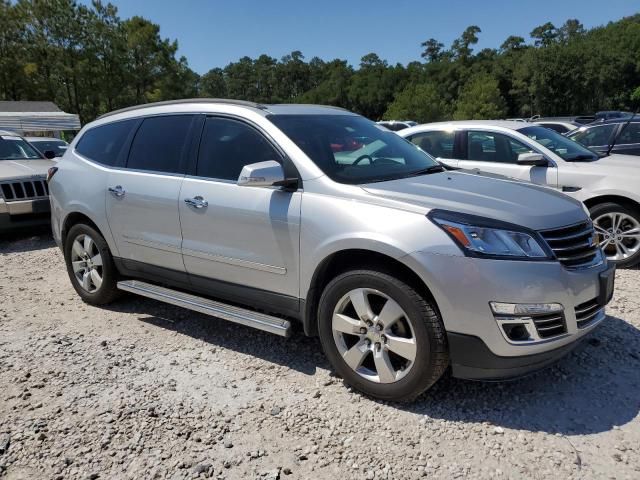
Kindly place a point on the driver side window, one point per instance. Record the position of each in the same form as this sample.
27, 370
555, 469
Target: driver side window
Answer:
494, 147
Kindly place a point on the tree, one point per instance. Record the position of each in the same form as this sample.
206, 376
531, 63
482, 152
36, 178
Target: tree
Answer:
480, 99
212, 84
422, 103
571, 29
513, 42
432, 50
544, 35
461, 47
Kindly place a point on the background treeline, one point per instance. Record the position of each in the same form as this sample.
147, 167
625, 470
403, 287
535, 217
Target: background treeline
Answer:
89, 61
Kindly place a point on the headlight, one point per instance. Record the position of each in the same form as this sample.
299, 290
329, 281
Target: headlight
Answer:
479, 237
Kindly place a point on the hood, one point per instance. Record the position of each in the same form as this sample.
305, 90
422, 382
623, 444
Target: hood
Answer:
523, 204
617, 160
10, 169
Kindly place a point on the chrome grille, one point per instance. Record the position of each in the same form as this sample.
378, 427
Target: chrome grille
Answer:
550, 325
16, 190
574, 246
588, 312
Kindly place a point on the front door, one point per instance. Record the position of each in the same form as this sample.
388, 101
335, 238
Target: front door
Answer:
240, 242
493, 152
142, 197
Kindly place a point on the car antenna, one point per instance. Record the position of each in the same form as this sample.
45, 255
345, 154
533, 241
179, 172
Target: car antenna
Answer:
615, 139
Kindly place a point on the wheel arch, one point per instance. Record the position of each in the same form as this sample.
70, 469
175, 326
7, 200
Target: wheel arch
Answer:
349, 259
619, 199
75, 218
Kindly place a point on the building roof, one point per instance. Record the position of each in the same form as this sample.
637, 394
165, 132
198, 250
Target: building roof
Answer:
27, 106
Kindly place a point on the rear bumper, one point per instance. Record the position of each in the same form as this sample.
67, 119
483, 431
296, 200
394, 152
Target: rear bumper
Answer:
471, 359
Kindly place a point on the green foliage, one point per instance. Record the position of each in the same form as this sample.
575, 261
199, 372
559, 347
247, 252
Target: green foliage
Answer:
89, 61
419, 102
480, 99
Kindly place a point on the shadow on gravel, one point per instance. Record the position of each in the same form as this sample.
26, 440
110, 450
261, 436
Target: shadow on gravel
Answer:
299, 353
37, 238
592, 390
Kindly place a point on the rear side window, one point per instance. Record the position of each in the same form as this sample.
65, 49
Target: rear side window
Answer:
103, 144
160, 144
630, 134
437, 144
228, 145
595, 136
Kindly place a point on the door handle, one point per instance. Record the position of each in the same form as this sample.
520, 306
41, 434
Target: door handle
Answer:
197, 202
118, 191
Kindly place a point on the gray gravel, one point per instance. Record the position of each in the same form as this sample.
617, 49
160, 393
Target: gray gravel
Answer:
145, 390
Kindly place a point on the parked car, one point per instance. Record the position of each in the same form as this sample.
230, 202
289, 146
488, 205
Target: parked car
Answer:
246, 212
607, 186
397, 125
600, 136
579, 119
611, 115
45, 144
24, 195
560, 126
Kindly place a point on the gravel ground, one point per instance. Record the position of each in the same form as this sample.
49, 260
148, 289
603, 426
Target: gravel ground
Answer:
145, 390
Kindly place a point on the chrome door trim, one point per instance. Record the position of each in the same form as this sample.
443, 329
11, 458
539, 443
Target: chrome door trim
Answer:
235, 261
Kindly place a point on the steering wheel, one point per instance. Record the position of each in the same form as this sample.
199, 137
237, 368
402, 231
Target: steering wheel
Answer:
363, 157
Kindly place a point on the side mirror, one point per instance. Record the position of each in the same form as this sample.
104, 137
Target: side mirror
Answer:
534, 159
262, 174
49, 154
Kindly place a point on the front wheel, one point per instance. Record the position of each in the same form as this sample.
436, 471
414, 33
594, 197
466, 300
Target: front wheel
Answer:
384, 338
618, 233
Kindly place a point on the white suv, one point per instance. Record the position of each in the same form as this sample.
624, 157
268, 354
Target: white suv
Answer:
609, 186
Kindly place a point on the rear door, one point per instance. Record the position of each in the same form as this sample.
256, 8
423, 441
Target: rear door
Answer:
142, 196
495, 152
439, 144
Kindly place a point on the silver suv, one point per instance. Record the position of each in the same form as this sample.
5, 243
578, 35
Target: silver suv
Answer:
270, 215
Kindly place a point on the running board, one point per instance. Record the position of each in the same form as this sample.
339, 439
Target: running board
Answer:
231, 313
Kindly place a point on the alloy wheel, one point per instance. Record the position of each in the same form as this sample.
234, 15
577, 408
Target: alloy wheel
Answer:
86, 262
618, 235
374, 335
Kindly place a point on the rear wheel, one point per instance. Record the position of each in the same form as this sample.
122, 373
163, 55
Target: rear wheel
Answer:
381, 336
618, 233
90, 265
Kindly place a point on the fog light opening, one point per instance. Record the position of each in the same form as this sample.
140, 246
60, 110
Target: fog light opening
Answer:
516, 332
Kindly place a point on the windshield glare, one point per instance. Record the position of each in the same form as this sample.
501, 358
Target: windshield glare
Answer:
15, 148
351, 149
565, 148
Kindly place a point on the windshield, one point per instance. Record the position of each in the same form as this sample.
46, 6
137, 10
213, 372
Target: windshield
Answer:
15, 148
56, 146
352, 149
562, 146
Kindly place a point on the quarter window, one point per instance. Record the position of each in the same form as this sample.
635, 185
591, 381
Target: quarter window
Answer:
494, 147
103, 144
437, 144
228, 145
160, 144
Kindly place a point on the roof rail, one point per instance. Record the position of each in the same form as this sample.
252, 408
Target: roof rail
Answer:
242, 103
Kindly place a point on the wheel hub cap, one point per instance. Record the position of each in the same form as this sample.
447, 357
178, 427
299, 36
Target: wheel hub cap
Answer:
618, 235
374, 335
86, 262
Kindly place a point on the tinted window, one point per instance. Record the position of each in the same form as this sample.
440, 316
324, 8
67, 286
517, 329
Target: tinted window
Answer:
56, 146
228, 145
352, 149
13, 147
160, 144
630, 134
494, 147
103, 144
437, 144
594, 136
555, 127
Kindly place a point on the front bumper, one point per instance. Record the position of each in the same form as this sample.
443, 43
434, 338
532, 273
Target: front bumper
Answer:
24, 214
464, 286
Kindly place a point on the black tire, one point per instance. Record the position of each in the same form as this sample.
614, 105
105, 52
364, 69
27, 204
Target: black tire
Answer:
607, 208
107, 291
432, 356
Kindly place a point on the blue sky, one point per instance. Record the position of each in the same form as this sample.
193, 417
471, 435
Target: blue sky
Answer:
212, 33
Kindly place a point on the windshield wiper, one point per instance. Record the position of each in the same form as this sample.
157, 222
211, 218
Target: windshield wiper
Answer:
427, 171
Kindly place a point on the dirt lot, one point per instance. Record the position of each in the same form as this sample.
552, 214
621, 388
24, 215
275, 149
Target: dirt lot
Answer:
145, 390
